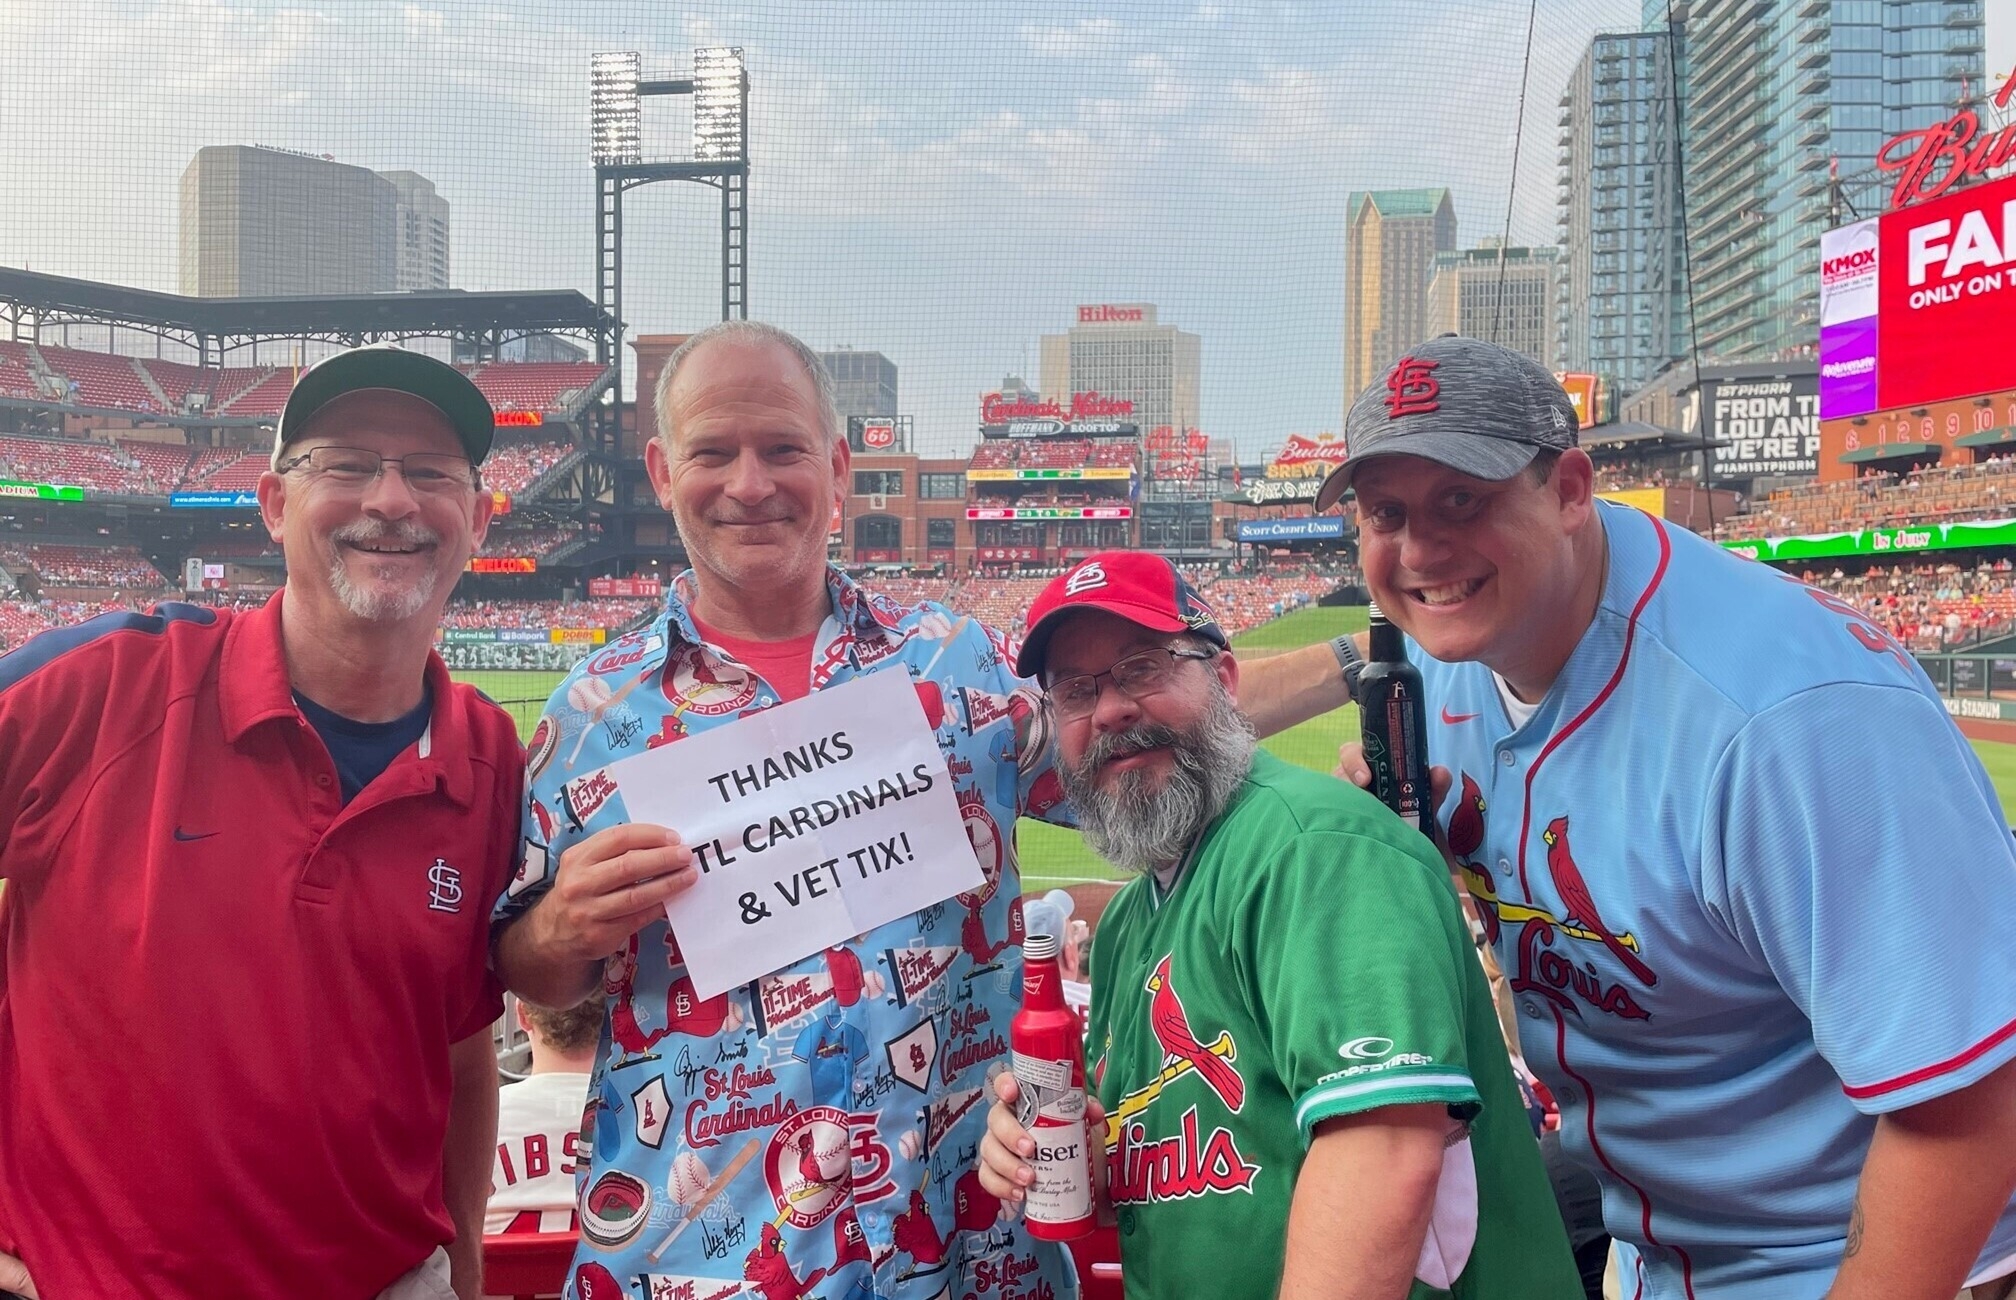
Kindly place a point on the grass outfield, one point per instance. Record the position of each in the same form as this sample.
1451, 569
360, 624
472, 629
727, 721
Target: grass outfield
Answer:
1051, 856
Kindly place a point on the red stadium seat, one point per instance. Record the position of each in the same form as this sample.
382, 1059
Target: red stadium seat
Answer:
1097, 1256
527, 1265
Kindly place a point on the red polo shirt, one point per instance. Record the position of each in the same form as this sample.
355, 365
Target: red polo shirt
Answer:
226, 1001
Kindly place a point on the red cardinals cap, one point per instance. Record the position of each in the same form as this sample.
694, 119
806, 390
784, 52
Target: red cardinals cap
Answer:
1139, 587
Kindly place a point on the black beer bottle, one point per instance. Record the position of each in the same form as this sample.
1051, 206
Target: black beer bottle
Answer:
1394, 720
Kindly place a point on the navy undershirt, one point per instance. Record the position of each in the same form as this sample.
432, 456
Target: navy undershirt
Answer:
364, 749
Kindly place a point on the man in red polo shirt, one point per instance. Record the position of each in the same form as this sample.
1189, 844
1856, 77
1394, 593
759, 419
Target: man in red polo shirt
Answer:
249, 862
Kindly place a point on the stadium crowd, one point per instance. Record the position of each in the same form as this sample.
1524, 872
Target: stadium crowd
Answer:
1941, 495
1929, 607
513, 467
611, 613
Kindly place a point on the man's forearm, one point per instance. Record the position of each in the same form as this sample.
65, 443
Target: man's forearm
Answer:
1370, 1253
466, 1156
1281, 690
535, 972
1936, 1179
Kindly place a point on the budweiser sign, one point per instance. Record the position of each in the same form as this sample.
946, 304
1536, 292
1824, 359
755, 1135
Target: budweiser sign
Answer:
1934, 160
1107, 314
1002, 408
1303, 456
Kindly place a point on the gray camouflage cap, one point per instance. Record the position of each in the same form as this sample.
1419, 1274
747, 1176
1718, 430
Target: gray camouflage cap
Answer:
1479, 408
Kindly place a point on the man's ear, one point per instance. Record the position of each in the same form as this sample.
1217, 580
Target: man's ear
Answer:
272, 492
1574, 484
1226, 664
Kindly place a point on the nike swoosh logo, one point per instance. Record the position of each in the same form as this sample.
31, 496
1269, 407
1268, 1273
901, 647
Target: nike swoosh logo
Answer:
185, 837
1453, 718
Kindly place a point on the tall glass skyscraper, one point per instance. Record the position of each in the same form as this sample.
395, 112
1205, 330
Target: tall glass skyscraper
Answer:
1622, 307
1777, 93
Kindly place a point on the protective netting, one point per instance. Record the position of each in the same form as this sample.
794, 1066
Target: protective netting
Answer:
940, 183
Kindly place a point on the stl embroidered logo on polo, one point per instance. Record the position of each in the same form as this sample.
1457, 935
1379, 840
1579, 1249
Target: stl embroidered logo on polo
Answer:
444, 883
1091, 577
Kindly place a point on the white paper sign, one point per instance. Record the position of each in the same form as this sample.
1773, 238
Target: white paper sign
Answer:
811, 822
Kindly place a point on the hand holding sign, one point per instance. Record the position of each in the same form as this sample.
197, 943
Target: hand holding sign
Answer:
810, 822
609, 886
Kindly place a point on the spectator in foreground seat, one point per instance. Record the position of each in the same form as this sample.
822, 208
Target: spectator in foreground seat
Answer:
539, 1121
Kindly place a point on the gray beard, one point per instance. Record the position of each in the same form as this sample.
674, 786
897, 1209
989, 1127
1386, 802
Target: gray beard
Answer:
1137, 828
379, 605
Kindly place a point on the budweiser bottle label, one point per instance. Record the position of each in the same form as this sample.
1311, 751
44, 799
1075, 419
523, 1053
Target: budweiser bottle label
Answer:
1052, 1108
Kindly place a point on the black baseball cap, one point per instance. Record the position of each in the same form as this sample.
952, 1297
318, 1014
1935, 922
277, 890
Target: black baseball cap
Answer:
1480, 408
383, 365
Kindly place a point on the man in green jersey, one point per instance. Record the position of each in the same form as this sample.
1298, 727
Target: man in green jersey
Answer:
1299, 1072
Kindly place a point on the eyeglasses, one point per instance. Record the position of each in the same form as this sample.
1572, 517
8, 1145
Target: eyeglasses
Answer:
354, 468
1138, 676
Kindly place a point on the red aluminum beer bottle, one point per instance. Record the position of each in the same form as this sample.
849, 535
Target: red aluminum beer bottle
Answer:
1048, 1061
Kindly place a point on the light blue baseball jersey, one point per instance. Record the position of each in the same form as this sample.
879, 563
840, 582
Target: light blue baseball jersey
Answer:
1749, 886
853, 1079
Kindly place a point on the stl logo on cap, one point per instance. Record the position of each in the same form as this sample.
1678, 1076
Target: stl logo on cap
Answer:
1089, 577
1411, 389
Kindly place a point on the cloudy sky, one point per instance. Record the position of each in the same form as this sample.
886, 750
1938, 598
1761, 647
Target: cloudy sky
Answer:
939, 181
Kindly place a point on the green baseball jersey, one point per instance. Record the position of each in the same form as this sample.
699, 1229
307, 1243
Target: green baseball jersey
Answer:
1310, 961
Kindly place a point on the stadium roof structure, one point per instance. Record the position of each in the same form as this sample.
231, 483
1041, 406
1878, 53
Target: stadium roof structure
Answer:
1638, 435
46, 300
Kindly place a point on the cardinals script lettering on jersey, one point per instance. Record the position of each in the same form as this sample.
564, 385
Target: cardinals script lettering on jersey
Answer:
1551, 975
1178, 1167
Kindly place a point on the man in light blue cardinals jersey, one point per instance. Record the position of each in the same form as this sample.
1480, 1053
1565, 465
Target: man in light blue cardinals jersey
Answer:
845, 1089
1748, 883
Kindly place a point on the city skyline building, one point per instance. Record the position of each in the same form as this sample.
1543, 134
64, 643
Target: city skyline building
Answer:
260, 222
864, 383
1786, 104
1503, 295
1622, 288
1391, 238
420, 233
1120, 350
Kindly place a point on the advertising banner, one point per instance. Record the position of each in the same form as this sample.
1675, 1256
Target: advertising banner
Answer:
503, 564
625, 587
40, 491
1278, 491
1303, 456
1049, 512
213, 500
1315, 527
1583, 395
522, 635
1878, 541
1919, 305
1947, 320
1008, 554
1651, 500
1762, 426
1848, 264
469, 635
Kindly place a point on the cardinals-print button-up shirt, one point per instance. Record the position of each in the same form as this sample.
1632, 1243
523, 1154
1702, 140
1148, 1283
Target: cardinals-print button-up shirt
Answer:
813, 1132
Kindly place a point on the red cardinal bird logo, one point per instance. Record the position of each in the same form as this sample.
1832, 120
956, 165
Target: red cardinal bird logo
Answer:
1466, 836
1580, 905
771, 1273
1179, 1045
1466, 820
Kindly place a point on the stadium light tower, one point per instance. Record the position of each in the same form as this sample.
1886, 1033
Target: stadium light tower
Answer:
718, 156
